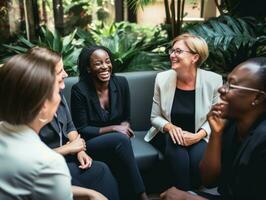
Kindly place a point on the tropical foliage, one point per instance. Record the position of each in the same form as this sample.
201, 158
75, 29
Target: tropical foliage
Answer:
230, 40
134, 47
67, 46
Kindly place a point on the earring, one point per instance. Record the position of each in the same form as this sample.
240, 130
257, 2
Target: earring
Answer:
253, 103
43, 120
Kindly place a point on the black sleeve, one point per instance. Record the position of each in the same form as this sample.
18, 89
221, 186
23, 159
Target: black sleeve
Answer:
79, 114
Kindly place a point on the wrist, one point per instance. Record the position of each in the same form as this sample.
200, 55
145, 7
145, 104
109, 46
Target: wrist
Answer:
167, 127
202, 133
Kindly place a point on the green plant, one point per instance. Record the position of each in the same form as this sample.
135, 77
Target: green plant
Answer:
133, 47
231, 41
67, 46
174, 14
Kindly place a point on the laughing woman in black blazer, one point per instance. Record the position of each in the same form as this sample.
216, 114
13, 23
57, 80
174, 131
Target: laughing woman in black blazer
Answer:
100, 109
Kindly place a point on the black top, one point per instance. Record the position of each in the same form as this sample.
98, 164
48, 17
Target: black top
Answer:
88, 115
183, 110
243, 174
55, 134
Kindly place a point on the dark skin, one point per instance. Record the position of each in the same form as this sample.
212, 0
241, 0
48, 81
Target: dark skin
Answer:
101, 70
242, 105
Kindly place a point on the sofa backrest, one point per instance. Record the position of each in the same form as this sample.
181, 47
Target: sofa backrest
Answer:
141, 86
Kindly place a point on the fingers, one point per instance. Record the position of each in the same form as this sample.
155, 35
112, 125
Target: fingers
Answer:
85, 161
177, 135
131, 132
85, 164
162, 195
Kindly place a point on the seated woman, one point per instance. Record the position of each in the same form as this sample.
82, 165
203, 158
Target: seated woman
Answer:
182, 99
235, 157
29, 97
100, 110
61, 135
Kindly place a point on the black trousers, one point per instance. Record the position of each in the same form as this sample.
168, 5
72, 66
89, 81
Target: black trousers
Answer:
116, 151
98, 177
183, 162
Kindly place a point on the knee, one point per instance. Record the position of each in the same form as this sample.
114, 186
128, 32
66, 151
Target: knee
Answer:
122, 139
101, 167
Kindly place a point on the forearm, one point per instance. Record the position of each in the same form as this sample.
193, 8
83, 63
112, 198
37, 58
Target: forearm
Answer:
63, 150
72, 135
80, 193
106, 129
194, 197
201, 134
210, 165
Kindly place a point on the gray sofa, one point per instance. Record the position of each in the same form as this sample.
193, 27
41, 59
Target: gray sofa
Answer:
141, 85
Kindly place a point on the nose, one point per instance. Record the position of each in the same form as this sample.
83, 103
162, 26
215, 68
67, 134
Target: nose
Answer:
65, 75
104, 66
222, 89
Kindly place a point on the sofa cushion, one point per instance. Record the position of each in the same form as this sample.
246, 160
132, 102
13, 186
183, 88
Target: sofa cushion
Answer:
145, 154
141, 86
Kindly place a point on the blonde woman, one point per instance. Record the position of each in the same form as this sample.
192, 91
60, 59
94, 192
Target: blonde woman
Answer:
182, 99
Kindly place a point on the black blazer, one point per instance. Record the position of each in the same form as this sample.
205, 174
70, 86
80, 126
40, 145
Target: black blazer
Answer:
60, 126
88, 116
244, 164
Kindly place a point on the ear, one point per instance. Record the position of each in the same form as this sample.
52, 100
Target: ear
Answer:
260, 98
195, 58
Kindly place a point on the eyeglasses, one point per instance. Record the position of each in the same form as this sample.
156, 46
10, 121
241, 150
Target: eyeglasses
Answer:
228, 86
178, 51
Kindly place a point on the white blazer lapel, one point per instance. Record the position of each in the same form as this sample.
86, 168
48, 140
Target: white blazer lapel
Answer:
198, 98
169, 93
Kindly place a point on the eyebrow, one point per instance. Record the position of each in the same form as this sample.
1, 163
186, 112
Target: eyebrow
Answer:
60, 71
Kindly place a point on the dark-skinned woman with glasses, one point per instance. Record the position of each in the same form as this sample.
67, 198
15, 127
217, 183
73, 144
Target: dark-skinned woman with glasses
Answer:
235, 158
183, 96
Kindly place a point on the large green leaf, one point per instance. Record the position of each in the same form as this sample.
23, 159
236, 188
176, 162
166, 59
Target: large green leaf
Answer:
230, 40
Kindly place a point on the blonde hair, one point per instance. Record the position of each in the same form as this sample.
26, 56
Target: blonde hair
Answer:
196, 44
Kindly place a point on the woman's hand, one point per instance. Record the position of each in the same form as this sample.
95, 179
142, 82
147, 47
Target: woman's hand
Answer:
190, 138
123, 128
216, 118
176, 133
77, 145
84, 160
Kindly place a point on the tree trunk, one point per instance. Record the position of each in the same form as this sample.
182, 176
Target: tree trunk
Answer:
58, 16
29, 19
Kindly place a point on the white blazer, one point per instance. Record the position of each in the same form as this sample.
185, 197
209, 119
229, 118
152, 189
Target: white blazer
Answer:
206, 94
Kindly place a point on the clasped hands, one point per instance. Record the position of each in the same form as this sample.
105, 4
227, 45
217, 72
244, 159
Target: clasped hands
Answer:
124, 128
181, 137
78, 146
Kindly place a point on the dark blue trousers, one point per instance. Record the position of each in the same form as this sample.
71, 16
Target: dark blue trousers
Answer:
98, 177
184, 163
116, 151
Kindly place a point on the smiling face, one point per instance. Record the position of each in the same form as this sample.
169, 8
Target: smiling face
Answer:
60, 74
100, 65
239, 101
185, 58
51, 105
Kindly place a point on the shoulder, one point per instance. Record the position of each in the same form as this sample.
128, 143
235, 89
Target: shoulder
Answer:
80, 88
210, 76
119, 82
165, 75
120, 79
